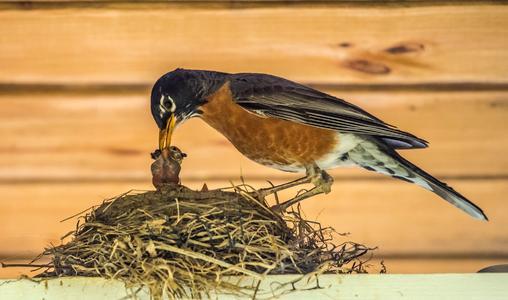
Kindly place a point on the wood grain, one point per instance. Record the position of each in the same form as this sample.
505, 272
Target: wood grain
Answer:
75, 125
76, 138
240, 3
451, 44
331, 286
402, 219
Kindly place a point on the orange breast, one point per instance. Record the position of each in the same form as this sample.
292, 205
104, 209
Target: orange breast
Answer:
267, 141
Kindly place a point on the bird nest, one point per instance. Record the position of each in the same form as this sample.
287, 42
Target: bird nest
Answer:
188, 244
185, 243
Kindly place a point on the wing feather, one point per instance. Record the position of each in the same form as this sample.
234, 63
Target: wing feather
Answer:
272, 96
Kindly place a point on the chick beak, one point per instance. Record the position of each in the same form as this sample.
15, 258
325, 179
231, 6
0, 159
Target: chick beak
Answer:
165, 134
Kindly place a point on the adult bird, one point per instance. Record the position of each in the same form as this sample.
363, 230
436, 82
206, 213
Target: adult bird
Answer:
291, 127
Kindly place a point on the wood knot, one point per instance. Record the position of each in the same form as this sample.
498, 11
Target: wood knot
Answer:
367, 66
344, 45
405, 48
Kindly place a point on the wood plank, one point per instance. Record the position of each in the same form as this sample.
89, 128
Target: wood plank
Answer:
262, 3
404, 220
331, 286
425, 266
445, 44
107, 137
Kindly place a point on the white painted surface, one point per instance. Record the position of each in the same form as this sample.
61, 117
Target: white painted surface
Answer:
431, 286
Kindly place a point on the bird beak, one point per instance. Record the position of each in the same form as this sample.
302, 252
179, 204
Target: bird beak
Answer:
165, 134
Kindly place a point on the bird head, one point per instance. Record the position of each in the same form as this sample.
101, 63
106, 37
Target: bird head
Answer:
175, 98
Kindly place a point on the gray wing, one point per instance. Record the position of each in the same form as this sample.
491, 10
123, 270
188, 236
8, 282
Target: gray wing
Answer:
272, 96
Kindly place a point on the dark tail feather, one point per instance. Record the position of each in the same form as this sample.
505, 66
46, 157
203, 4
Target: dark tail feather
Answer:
405, 144
438, 187
381, 158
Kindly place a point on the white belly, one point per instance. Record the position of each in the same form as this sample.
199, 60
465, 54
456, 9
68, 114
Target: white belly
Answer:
347, 142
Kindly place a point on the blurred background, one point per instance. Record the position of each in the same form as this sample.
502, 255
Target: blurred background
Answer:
75, 125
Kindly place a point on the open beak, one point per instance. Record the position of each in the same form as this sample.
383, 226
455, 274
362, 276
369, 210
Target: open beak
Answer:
165, 134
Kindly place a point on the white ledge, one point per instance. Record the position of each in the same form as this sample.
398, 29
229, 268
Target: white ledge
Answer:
379, 286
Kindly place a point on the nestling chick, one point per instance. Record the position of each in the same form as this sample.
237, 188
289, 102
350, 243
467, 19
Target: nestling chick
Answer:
166, 167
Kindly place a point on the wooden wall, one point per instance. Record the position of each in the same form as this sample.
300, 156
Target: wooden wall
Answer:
75, 125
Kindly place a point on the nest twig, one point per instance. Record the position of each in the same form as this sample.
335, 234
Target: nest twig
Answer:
183, 243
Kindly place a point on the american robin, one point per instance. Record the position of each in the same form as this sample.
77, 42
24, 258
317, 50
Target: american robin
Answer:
291, 127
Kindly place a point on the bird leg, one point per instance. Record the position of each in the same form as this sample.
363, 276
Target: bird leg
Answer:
322, 185
275, 189
320, 179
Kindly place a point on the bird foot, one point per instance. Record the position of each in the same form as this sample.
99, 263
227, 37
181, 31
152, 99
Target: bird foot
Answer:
322, 182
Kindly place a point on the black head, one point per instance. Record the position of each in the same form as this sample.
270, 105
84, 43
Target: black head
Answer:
176, 92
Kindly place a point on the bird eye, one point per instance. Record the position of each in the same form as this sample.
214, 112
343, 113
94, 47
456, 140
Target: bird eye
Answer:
167, 103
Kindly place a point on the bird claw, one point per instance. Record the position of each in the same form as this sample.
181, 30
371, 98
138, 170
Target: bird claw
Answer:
322, 182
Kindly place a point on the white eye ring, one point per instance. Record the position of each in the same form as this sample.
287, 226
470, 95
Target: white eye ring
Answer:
173, 105
162, 106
